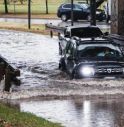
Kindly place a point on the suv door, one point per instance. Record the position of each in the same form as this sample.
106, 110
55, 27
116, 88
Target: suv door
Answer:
81, 12
78, 12
66, 10
70, 57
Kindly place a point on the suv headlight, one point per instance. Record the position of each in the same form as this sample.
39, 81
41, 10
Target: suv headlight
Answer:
97, 12
87, 71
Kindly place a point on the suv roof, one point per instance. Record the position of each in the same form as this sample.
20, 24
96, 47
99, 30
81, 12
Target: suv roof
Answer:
84, 32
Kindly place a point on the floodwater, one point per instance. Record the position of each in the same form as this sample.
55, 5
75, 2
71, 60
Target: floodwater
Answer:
35, 55
37, 58
79, 112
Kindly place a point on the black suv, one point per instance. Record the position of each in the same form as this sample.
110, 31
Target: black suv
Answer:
84, 57
81, 11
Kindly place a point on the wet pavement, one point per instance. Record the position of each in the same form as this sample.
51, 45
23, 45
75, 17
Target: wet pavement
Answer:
33, 21
56, 22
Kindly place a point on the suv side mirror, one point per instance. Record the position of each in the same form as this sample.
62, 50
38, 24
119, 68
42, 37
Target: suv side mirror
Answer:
60, 37
106, 33
67, 34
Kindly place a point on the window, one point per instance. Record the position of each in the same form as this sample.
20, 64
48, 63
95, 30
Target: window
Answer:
107, 50
78, 6
67, 6
85, 6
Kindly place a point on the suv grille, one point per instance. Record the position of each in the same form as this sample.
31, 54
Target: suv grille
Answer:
109, 70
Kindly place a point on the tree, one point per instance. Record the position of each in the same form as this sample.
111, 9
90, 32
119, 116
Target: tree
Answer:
29, 14
87, 1
6, 7
46, 6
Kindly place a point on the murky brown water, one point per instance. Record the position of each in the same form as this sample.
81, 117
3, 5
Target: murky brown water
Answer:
35, 55
79, 112
37, 58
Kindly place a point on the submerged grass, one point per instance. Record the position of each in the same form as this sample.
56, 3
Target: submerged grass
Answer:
10, 117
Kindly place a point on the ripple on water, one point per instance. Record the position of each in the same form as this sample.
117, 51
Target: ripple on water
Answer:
37, 58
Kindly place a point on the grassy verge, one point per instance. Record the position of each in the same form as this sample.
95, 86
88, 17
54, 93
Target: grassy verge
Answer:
35, 28
39, 16
10, 117
36, 9
37, 6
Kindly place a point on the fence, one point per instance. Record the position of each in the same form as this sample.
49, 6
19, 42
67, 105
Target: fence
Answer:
37, 6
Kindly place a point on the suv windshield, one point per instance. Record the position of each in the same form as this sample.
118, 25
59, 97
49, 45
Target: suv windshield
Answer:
97, 50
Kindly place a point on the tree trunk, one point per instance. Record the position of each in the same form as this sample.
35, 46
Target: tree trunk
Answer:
6, 7
46, 6
87, 1
72, 13
29, 14
93, 12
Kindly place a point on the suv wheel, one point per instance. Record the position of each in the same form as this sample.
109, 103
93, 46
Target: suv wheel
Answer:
64, 17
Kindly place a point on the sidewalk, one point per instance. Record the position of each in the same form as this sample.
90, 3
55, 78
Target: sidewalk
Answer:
20, 22
22, 26
37, 16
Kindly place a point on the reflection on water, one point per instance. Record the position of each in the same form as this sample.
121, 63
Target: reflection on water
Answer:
79, 112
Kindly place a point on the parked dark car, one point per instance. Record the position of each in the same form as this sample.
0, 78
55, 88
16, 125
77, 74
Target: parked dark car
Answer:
81, 11
84, 57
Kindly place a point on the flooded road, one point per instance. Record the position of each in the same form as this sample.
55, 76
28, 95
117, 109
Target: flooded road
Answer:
37, 58
79, 112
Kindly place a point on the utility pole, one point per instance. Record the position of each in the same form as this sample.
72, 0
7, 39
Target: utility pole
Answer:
46, 6
93, 12
29, 14
72, 13
6, 7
